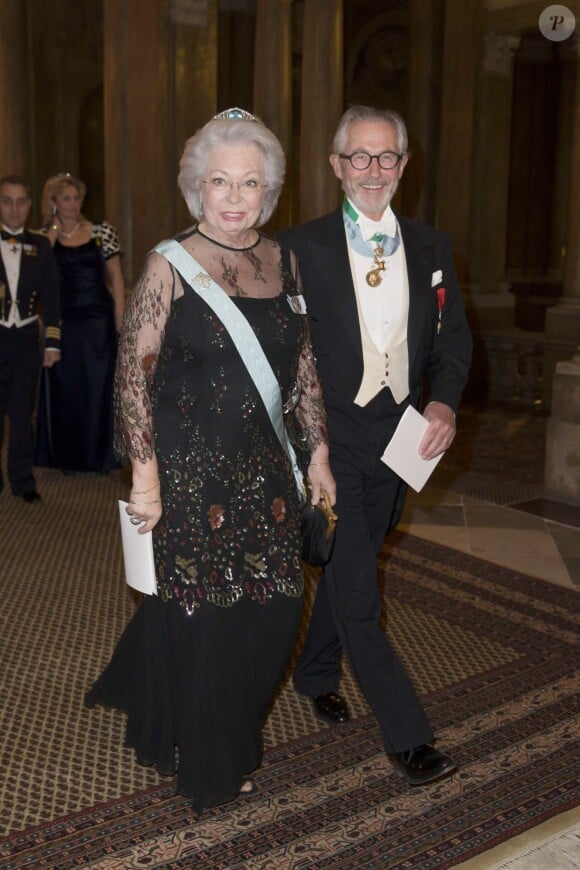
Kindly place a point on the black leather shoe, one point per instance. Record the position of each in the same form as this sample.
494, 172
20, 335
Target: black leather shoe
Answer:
331, 708
423, 764
30, 496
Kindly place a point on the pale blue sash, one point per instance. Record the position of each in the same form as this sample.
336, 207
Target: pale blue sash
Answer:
244, 338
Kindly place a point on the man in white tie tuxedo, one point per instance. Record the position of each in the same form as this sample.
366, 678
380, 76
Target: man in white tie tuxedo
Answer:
28, 292
387, 319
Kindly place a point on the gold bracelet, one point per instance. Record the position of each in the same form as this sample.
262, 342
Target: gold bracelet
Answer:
145, 503
145, 491
316, 464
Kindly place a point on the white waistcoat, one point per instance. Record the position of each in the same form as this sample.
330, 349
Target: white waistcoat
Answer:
388, 367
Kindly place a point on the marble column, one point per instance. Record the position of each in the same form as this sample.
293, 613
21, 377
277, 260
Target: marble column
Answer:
418, 190
151, 103
461, 52
160, 85
140, 152
15, 144
563, 320
117, 126
321, 104
195, 35
562, 465
273, 89
493, 301
562, 469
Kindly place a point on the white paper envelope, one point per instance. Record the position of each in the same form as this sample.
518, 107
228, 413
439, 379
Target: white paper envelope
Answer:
401, 453
137, 555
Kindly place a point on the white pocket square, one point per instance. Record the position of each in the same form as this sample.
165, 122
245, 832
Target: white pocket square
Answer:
436, 278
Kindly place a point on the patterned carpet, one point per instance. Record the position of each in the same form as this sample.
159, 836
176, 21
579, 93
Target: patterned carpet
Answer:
494, 654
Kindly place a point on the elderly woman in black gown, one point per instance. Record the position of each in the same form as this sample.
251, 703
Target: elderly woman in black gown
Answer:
198, 665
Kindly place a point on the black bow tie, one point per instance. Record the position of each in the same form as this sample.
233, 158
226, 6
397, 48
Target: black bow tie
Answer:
12, 237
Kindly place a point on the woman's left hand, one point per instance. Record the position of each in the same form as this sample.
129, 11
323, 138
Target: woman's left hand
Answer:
320, 478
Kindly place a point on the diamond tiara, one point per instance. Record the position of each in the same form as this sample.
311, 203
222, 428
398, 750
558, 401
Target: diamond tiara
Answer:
234, 114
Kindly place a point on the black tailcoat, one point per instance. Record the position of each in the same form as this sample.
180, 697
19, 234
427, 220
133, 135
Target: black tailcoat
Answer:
37, 294
370, 497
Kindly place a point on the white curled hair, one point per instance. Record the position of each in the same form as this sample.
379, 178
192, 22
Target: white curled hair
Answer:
195, 158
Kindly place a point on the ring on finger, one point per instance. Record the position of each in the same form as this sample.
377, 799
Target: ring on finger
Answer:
135, 521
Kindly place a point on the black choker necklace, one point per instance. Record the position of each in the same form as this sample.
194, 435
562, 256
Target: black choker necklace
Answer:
228, 247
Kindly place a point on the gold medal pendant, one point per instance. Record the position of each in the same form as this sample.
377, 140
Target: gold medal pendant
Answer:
374, 277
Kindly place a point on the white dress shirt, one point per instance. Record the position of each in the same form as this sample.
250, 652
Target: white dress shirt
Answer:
11, 255
382, 306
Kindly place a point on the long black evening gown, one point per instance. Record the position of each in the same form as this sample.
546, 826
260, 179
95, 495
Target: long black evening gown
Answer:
74, 428
197, 667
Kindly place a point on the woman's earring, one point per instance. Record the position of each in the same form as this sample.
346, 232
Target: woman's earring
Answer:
200, 210
53, 209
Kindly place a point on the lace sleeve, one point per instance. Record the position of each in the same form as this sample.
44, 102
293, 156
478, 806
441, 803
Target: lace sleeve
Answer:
142, 332
309, 412
307, 416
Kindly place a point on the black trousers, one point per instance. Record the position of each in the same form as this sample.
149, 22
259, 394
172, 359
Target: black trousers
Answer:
19, 371
347, 609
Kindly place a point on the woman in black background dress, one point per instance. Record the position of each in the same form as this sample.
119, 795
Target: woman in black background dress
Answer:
197, 667
75, 414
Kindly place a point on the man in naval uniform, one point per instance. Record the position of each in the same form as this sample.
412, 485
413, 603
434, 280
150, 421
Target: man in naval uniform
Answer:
387, 318
28, 290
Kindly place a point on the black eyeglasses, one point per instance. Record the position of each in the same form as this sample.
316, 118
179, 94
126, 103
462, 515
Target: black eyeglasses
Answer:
362, 159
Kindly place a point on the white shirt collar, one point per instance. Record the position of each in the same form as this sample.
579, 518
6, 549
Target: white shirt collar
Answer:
12, 232
386, 226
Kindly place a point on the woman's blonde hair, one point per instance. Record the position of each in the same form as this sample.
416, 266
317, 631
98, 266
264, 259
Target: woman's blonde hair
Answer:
52, 187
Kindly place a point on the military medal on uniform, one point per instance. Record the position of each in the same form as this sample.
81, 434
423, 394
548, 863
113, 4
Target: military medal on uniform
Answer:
13, 239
